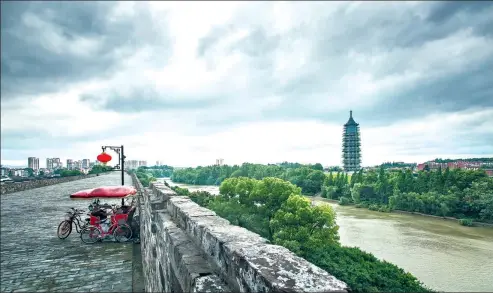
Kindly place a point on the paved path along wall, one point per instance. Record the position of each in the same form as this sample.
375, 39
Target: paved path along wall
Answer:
187, 248
33, 259
21, 186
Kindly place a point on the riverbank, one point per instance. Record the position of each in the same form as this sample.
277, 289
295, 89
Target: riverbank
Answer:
213, 189
444, 255
26, 185
474, 224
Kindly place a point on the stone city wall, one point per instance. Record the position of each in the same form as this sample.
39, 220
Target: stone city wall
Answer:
188, 248
7, 188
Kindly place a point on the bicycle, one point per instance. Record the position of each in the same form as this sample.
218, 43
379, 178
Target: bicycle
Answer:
95, 232
71, 217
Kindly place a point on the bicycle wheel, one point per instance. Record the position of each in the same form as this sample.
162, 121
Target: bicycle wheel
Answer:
122, 233
90, 235
64, 229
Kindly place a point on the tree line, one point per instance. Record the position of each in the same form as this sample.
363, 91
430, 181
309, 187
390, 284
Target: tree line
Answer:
459, 193
485, 160
308, 177
388, 165
147, 175
276, 209
158, 171
97, 169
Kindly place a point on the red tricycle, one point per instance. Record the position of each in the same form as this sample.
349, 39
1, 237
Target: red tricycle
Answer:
99, 230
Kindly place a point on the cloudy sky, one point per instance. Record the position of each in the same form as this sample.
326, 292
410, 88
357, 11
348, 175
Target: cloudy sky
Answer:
189, 82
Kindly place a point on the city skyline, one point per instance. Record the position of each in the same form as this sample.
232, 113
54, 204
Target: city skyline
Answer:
258, 82
65, 162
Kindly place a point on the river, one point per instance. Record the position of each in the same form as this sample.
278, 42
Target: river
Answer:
442, 254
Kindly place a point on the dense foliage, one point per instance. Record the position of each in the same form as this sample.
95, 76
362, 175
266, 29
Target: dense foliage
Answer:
67, 173
308, 177
97, 169
30, 172
459, 193
159, 171
144, 176
388, 165
455, 193
276, 210
335, 169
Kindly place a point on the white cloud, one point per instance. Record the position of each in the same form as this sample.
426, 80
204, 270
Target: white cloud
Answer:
307, 142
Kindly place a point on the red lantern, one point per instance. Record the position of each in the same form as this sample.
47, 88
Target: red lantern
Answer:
104, 158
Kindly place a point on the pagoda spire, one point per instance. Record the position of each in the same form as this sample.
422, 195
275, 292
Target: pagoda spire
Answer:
351, 145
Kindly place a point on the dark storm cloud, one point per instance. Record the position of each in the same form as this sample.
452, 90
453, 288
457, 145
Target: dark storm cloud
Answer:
444, 10
145, 100
382, 29
472, 88
33, 64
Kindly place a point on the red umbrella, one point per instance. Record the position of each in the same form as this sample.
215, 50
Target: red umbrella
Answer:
106, 192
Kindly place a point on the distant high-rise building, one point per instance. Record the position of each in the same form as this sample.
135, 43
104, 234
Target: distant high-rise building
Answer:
219, 162
134, 164
351, 145
77, 165
131, 164
70, 164
33, 163
85, 163
49, 163
57, 163
53, 163
160, 163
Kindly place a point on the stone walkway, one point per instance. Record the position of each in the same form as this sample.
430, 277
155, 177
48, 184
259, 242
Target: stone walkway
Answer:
33, 259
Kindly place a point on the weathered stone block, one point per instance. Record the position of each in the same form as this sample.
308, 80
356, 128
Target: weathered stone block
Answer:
210, 283
194, 250
196, 227
186, 259
157, 204
162, 191
278, 269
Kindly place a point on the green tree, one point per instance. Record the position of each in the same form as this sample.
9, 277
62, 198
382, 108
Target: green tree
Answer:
318, 167
30, 172
301, 228
356, 193
97, 169
268, 196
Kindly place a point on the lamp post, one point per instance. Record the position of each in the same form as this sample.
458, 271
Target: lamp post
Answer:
121, 159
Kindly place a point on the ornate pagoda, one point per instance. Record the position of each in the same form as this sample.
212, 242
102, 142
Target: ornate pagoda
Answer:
351, 146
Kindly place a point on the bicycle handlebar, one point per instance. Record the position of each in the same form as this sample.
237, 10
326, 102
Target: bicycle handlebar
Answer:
77, 211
